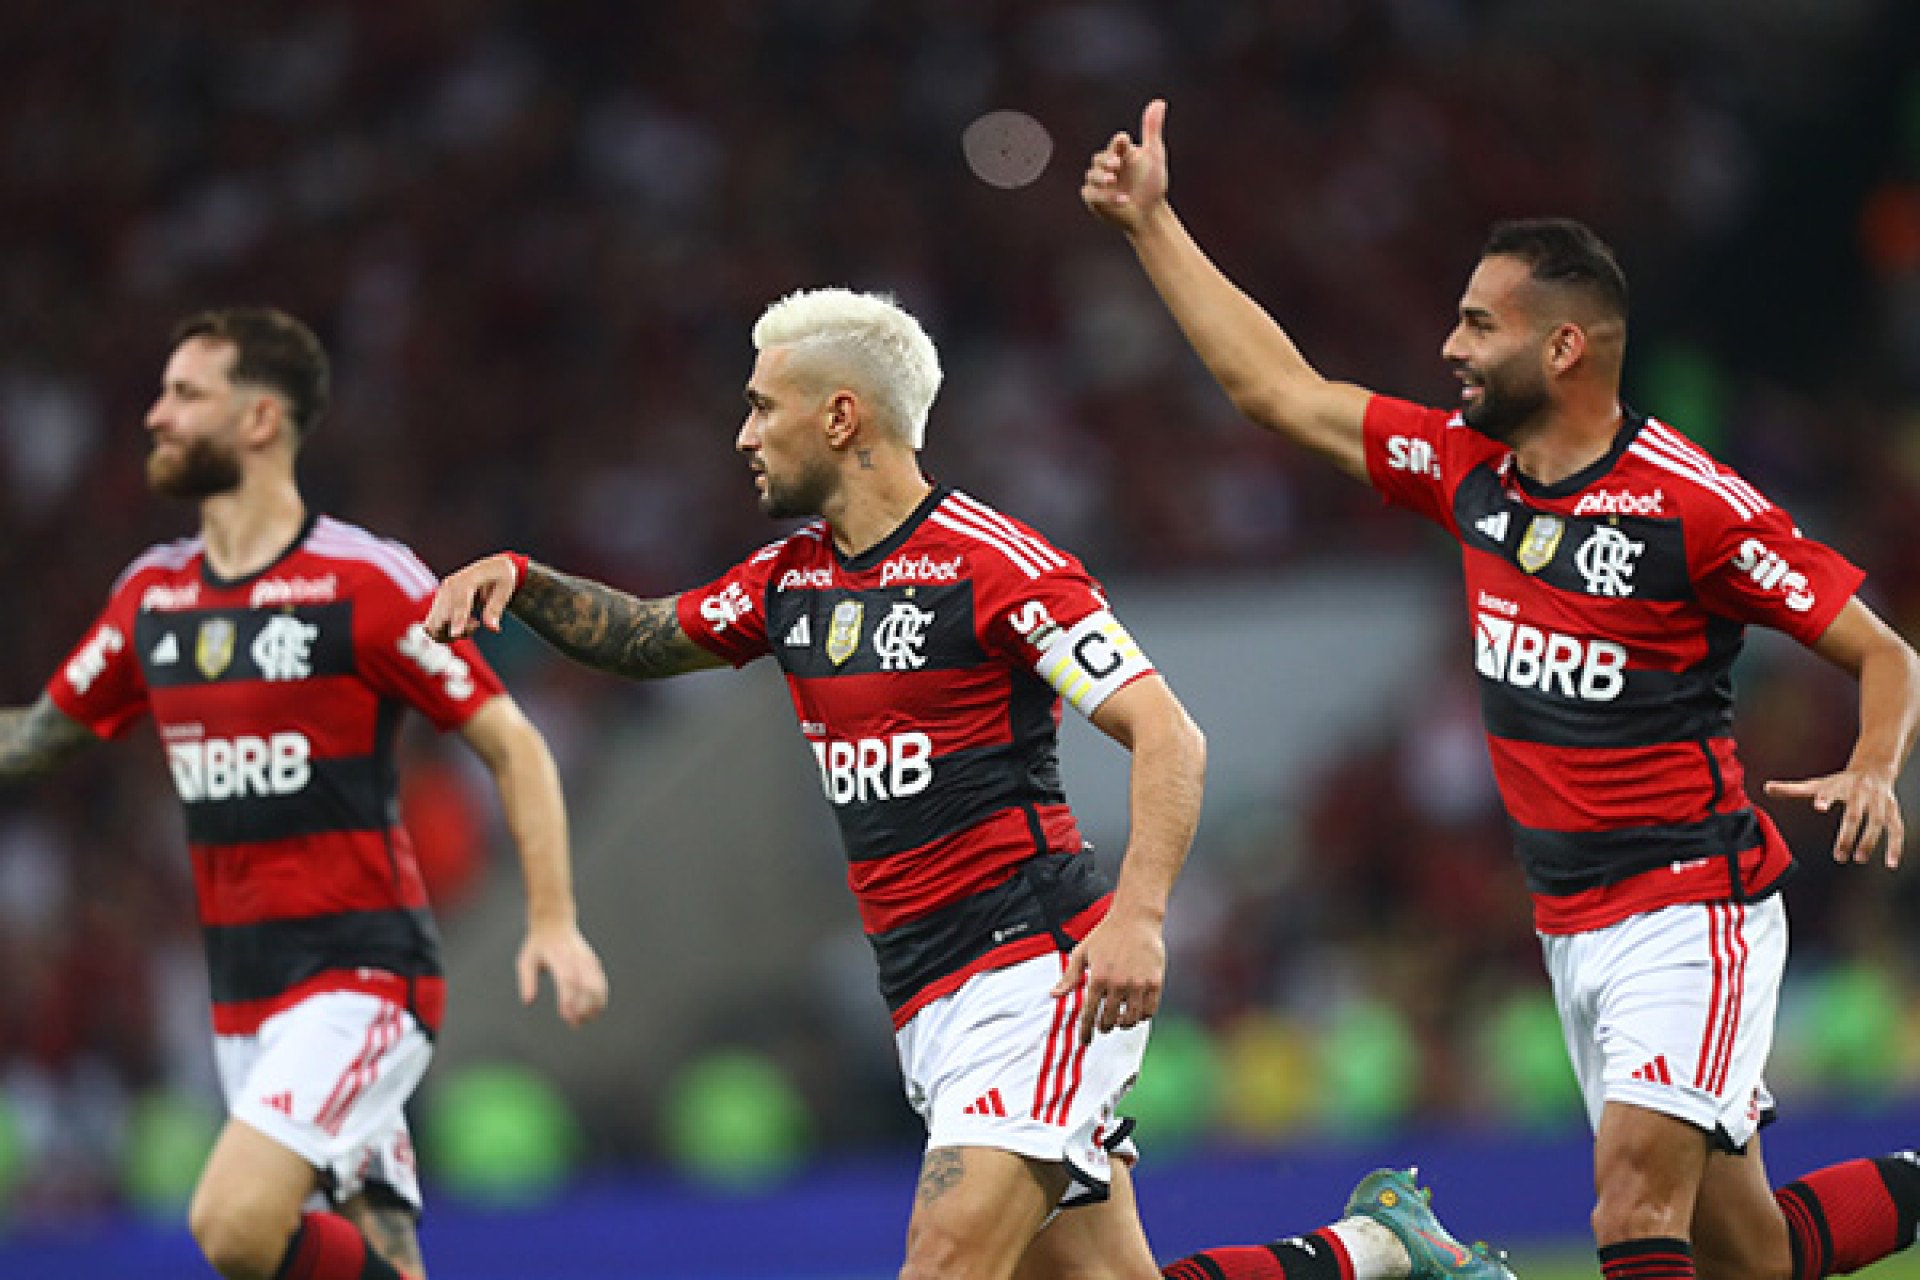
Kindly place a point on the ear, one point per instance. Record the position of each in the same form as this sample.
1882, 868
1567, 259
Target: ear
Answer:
843, 418
1566, 346
267, 419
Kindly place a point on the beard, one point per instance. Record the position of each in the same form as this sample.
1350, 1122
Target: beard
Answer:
199, 469
801, 496
1506, 404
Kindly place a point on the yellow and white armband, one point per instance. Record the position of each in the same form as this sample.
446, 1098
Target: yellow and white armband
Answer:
1087, 662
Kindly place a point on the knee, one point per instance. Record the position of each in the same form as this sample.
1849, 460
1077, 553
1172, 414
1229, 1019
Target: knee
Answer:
936, 1252
236, 1244
1635, 1209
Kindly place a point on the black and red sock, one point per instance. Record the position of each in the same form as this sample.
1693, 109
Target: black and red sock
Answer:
1317, 1256
1653, 1258
1845, 1216
327, 1247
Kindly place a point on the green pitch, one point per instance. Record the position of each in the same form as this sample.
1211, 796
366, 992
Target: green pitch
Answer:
1576, 1262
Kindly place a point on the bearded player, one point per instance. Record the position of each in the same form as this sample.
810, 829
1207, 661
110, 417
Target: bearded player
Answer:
1611, 567
276, 652
928, 642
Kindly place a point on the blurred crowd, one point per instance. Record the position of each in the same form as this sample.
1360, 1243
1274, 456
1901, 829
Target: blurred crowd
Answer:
535, 238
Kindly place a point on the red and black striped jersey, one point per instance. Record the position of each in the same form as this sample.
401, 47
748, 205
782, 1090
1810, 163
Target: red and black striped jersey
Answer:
927, 674
276, 697
1607, 611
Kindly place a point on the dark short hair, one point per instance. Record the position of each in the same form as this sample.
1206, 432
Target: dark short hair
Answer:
1564, 252
272, 349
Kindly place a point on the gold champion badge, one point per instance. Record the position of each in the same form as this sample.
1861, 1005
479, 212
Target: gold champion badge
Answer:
213, 647
843, 633
1540, 541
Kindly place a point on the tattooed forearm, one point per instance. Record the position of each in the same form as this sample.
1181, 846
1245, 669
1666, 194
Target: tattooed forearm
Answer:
604, 628
34, 739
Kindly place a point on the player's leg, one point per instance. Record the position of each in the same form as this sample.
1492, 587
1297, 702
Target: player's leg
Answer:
1388, 1232
1647, 1173
975, 1211
1102, 1241
391, 1227
1739, 1232
316, 1098
1832, 1221
246, 1206
1106, 1241
1020, 1115
1669, 1019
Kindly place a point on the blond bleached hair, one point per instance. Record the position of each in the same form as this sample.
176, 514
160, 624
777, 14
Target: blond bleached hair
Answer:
866, 337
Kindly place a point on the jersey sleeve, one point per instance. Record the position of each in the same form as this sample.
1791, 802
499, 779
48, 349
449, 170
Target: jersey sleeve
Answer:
1046, 614
446, 683
1415, 459
100, 684
1752, 564
728, 616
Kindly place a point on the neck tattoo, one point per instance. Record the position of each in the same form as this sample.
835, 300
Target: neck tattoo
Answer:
866, 458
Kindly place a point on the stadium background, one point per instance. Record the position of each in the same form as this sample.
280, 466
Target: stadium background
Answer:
535, 237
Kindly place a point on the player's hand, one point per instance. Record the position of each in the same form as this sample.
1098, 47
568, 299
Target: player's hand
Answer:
1870, 812
579, 983
1123, 961
1126, 180
477, 593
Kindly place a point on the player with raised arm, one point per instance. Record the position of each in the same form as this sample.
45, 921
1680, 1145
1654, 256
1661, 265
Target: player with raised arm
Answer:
276, 651
1611, 566
928, 641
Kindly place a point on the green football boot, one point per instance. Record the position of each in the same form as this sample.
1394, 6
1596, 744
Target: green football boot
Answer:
1393, 1199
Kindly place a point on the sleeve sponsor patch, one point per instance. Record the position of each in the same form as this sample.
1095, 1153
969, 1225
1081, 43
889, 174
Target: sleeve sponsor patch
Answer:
1089, 661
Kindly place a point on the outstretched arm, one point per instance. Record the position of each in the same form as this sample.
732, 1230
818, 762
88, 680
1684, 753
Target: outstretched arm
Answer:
1889, 674
1124, 958
523, 770
588, 622
34, 739
1251, 356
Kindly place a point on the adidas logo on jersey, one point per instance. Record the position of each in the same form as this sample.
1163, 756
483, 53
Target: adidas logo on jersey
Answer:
987, 1104
800, 635
167, 652
1655, 1071
1495, 525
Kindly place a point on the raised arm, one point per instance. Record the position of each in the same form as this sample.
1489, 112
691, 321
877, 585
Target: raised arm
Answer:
1124, 958
1249, 355
1858, 642
34, 739
529, 785
588, 622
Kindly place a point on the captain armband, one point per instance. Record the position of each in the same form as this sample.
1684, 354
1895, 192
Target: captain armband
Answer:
1088, 662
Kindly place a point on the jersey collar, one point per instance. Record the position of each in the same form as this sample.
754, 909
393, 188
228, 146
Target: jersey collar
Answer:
880, 550
218, 583
1630, 424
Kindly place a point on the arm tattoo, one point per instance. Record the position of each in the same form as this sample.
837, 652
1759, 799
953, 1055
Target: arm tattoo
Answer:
607, 629
34, 739
939, 1173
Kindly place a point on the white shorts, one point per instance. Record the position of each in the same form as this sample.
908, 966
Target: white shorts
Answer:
327, 1079
1673, 1011
999, 1064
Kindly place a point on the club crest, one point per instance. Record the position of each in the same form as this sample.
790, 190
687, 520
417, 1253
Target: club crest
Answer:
843, 633
213, 647
1539, 542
